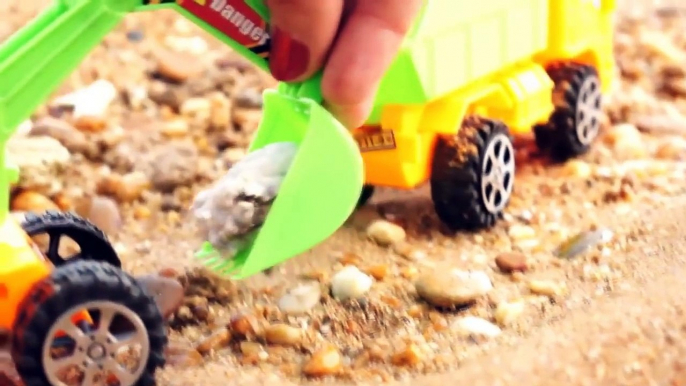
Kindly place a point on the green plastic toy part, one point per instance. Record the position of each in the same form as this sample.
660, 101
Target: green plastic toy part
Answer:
320, 190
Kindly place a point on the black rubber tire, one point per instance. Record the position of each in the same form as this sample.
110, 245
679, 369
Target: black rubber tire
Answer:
365, 195
456, 175
92, 241
558, 137
70, 286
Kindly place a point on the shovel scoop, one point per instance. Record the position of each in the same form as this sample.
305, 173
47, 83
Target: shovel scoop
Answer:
320, 189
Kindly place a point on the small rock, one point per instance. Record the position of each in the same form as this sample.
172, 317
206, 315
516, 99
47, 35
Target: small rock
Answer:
385, 233
220, 111
410, 252
672, 150
474, 326
300, 299
378, 272
626, 142
507, 313
283, 334
42, 160
90, 124
182, 357
411, 355
578, 169
253, 349
243, 325
350, 283
196, 109
71, 138
217, 341
91, 101
521, 232
327, 361
547, 288
177, 67
582, 242
249, 98
126, 188
175, 128
30, 201
511, 262
104, 213
447, 288
174, 165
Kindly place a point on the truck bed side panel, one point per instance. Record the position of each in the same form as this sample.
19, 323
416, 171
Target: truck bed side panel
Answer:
460, 41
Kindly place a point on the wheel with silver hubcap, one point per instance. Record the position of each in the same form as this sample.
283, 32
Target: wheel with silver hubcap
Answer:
88, 323
472, 176
575, 124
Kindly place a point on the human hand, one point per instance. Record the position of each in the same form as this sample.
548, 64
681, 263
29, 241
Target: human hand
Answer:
354, 41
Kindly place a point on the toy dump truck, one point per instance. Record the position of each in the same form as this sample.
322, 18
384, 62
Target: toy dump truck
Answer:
469, 75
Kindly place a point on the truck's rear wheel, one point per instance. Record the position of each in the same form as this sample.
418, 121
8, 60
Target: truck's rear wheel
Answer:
57, 226
575, 123
124, 345
472, 175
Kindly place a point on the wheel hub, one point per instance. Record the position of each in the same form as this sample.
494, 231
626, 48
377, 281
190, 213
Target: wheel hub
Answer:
96, 351
497, 179
588, 111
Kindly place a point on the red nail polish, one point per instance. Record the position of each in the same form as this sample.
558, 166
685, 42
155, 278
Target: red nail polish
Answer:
288, 58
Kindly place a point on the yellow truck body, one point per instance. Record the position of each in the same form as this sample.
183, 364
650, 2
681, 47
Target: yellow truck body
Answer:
491, 59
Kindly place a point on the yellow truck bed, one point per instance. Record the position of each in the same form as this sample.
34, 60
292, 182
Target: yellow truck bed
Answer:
452, 50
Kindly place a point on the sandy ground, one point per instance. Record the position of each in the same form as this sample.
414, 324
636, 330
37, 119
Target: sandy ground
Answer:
612, 315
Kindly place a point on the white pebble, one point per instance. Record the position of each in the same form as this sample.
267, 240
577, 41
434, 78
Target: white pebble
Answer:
471, 325
300, 299
350, 283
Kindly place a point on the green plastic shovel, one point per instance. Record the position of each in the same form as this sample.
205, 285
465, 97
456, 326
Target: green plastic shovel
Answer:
320, 190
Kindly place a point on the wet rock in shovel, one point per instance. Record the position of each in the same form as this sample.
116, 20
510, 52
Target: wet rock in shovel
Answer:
582, 242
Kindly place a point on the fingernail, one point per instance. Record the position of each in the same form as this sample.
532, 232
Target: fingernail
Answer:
288, 58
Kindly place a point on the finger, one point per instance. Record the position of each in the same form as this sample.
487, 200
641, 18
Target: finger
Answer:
302, 33
365, 47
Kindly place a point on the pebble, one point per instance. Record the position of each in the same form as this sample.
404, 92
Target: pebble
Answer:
582, 242
475, 326
177, 67
410, 355
90, 101
410, 252
521, 232
30, 201
326, 361
385, 233
104, 213
283, 334
61, 130
511, 262
174, 165
627, 142
300, 299
507, 313
447, 288
578, 169
249, 98
547, 288
673, 150
175, 128
216, 341
127, 188
182, 357
350, 283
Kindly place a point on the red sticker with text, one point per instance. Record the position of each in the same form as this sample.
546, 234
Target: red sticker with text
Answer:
235, 19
